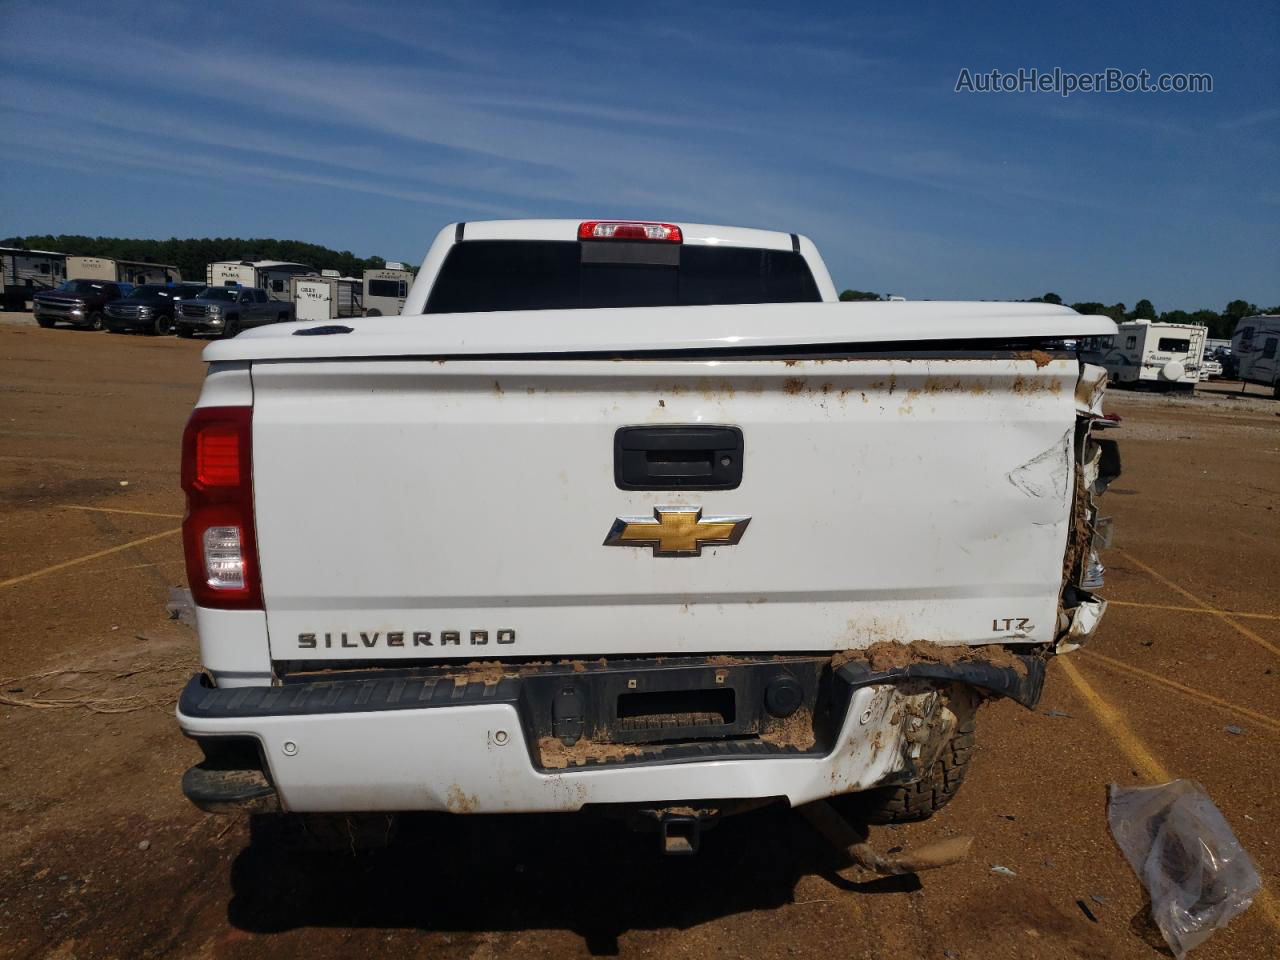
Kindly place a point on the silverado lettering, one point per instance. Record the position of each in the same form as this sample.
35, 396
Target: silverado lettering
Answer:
399, 638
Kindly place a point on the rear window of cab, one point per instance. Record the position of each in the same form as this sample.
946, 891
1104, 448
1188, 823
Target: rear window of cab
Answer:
494, 275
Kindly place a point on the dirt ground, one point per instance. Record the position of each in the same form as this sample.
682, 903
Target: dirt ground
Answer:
102, 857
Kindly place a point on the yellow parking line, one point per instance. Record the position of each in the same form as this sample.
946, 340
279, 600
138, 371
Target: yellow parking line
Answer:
1262, 718
141, 513
1142, 759
1133, 748
99, 571
1208, 608
138, 566
1166, 606
13, 581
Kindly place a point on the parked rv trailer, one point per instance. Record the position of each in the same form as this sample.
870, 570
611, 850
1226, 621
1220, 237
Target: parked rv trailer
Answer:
91, 268
136, 272
140, 272
272, 276
1255, 346
24, 273
1146, 352
385, 290
326, 297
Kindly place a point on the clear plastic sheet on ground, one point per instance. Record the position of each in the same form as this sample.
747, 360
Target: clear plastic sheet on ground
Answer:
1186, 856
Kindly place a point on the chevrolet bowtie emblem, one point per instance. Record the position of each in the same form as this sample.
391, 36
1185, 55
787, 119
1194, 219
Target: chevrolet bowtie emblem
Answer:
676, 531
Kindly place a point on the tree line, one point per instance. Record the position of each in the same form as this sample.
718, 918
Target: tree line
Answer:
1221, 324
192, 255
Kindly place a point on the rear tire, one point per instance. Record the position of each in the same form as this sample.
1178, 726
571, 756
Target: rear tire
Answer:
921, 800
96, 320
162, 326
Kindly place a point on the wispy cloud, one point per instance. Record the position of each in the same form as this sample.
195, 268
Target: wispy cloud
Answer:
133, 152
836, 123
1251, 119
507, 139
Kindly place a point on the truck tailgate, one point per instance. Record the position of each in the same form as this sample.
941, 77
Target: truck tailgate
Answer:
415, 508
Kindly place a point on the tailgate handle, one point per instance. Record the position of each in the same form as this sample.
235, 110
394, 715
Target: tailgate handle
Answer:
677, 458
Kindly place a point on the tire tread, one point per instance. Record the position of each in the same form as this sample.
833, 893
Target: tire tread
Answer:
917, 801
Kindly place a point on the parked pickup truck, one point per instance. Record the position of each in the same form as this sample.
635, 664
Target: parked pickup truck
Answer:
225, 311
78, 302
635, 517
150, 308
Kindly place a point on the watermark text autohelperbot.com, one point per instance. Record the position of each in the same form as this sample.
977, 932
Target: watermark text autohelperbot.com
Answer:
1064, 83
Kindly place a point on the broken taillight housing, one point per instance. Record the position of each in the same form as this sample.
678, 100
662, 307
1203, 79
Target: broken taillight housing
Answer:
630, 230
218, 530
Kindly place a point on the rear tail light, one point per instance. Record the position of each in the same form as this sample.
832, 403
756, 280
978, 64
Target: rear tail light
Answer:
630, 230
218, 531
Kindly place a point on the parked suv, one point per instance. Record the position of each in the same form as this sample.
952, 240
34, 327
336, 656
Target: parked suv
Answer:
150, 308
77, 302
227, 310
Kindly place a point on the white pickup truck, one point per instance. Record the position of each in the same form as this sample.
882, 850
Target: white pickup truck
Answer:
633, 517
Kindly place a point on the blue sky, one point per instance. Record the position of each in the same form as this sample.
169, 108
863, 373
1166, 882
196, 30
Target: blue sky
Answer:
366, 127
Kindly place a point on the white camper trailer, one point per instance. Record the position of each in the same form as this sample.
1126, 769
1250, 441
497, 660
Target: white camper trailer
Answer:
25, 272
326, 297
136, 272
1256, 345
1165, 355
272, 276
385, 290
